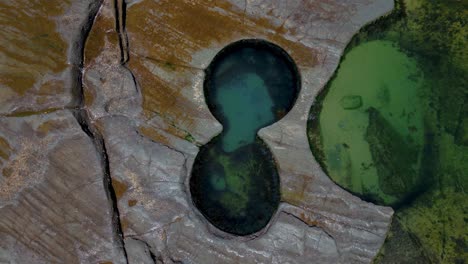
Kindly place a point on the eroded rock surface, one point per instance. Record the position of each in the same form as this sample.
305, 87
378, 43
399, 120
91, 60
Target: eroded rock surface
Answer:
41, 42
143, 96
53, 203
152, 147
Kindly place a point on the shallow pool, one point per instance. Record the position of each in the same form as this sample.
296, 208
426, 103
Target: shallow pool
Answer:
392, 127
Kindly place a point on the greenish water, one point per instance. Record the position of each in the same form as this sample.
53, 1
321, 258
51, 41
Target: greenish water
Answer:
249, 85
376, 75
392, 127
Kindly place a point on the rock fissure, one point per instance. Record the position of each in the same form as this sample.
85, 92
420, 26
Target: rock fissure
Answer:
309, 224
120, 13
112, 196
331, 219
153, 256
120, 21
87, 126
141, 251
188, 240
159, 143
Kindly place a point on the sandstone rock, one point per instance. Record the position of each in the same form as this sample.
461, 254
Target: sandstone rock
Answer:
40, 49
151, 151
53, 202
138, 252
144, 97
289, 240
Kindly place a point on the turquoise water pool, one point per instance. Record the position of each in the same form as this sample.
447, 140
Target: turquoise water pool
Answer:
249, 85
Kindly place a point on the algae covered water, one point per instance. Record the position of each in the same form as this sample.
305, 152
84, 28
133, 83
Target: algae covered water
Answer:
392, 128
374, 105
249, 85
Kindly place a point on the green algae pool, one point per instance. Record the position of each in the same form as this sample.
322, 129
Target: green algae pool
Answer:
380, 78
392, 128
250, 84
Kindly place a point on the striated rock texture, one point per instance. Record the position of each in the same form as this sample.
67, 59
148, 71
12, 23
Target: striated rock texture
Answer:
115, 172
146, 99
41, 42
53, 203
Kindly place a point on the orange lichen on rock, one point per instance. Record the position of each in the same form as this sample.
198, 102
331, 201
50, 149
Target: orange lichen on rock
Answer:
51, 125
29, 42
48, 90
124, 224
154, 135
292, 197
103, 32
30, 113
309, 221
302, 55
132, 202
295, 193
52, 87
169, 36
89, 95
163, 94
119, 188
173, 30
5, 149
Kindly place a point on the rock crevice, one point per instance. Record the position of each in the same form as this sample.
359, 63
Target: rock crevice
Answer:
89, 128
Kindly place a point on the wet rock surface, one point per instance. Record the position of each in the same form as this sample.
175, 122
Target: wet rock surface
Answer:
109, 182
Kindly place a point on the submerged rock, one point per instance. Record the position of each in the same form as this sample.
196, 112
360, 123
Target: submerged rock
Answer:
393, 156
351, 102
